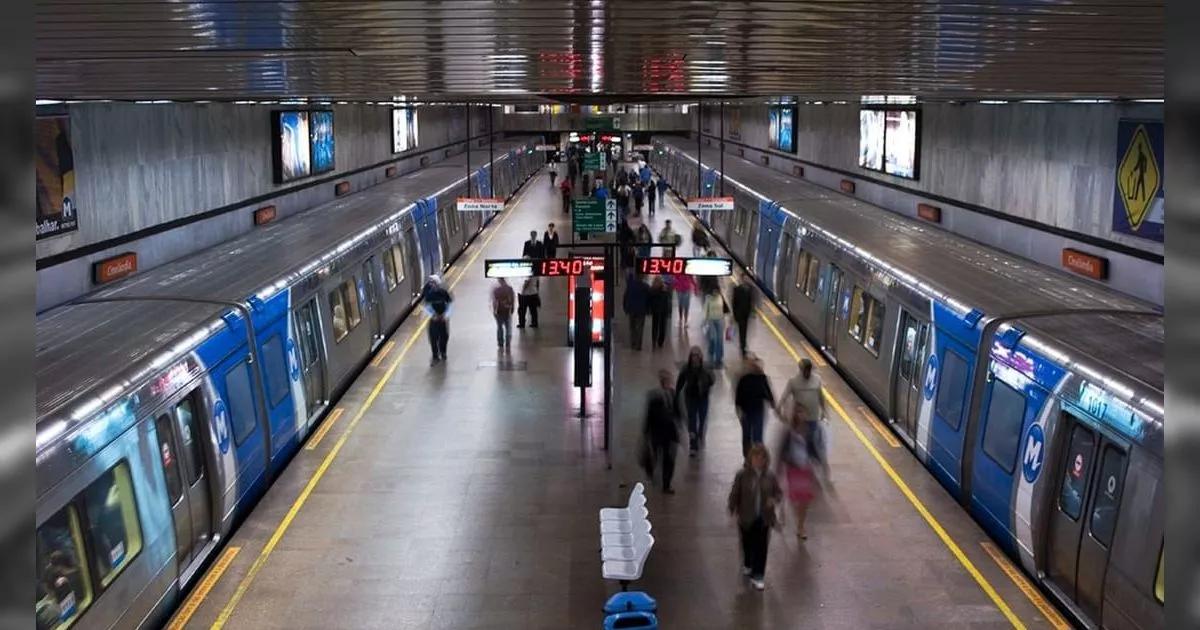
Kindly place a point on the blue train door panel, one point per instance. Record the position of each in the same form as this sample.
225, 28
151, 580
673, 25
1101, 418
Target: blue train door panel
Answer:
427, 230
237, 421
273, 362
769, 229
948, 383
1010, 405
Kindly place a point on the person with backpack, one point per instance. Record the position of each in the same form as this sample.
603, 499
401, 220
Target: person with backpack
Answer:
753, 500
694, 384
503, 298
437, 301
699, 240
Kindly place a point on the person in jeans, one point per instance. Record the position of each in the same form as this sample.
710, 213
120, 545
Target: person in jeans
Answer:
694, 385
714, 327
753, 499
437, 301
503, 298
804, 389
684, 286
661, 428
752, 398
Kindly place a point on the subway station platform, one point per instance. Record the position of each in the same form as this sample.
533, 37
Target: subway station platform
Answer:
465, 494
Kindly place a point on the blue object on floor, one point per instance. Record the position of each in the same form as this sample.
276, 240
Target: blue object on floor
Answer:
637, 619
630, 601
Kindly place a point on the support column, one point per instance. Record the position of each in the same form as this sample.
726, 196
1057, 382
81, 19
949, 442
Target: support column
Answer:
699, 149
722, 142
468, 149
491, 151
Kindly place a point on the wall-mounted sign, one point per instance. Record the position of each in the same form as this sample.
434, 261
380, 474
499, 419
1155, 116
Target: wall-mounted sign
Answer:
687, 266
341, 188
590, 215
798, 170
390, 172
54, 163
700, 204
1085, 264
601, 123
643, 147
480, 204
847, 186
546, 147
264, 215
929, 212
1140, 194
114, 268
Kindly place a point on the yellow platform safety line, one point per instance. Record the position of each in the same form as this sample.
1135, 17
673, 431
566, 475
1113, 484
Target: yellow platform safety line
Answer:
387, 347
883, 431
185, 612
1025, 586
244, 585
325, 427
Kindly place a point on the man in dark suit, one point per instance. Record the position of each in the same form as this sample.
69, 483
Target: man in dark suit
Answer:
533, 247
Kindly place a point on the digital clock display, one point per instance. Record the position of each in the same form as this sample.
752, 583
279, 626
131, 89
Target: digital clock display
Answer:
524, 267
560, 267
661, 265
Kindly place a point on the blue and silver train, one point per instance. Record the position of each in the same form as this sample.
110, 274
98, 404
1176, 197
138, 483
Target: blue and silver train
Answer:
1034, 397
167, 403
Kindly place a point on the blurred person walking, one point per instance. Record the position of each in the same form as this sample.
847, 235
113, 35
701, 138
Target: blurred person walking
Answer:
753, 500
752, 398
694, 385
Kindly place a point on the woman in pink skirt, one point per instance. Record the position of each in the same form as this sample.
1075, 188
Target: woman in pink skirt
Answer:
801, 484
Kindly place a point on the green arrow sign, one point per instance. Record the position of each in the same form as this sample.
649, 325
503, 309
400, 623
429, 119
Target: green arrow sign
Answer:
587, 215
604, 123
595, 161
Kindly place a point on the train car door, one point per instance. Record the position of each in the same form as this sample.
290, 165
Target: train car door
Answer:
370, 274
784, 280
308, 333
412, 255
906, 388
1084, 516
832, 299
947, 381
164, 429
192, 462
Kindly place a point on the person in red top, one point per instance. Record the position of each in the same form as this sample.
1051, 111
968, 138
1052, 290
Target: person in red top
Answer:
684, 286
565, 187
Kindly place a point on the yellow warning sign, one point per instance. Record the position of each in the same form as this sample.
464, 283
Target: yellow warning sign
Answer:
1138, 178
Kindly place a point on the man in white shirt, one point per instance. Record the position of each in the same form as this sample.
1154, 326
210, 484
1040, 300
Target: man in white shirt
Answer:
805, 389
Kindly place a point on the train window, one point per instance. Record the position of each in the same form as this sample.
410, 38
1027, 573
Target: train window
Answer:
170, 460
801, 272
63, 585
1160, 591
875, 313
398, 260
858, 315
1002, 433
112, 522
241, 403
389, 270
1108, 495
338, 308
952, 388
189, 433
350, 298
1077, 469
277, 379
908, 353
814, 274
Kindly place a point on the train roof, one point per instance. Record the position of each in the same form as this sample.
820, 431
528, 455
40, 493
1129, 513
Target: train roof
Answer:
78, 344
972, 275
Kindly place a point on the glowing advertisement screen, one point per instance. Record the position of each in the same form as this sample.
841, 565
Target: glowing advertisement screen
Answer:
900, 156
870, 139
786, 140
404, 129
321, 129
292, 146
773, 129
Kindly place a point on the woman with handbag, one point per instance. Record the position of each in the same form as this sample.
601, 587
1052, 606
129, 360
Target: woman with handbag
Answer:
797, 464
753, 500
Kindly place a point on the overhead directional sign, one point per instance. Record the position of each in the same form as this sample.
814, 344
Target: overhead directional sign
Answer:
601, 123
480, 204
643, 147
590, 215
1139, 198
700, 204
546, 147
595, 161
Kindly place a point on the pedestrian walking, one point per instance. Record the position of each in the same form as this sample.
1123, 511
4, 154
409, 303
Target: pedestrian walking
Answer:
743, 307
699, 240
637, 304
553, 175
661, 431
684, 286
662, 189
753, 397
753, 500
797, 464
714, 327
565, 190
437, 303
550, 241
660, 312
651, 197
503, 299
529, 300
644, 238
668, 235
639, 196
694, 385
805, 389
533, 247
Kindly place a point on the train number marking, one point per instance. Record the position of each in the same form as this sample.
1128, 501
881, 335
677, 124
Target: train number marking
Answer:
1035, 446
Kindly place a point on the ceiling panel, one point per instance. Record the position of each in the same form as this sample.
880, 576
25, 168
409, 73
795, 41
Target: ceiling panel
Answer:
509, 50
